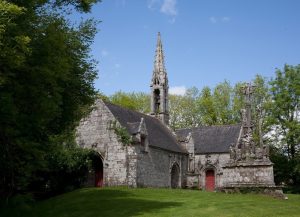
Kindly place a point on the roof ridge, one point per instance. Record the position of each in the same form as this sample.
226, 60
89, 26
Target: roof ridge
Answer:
131, 110
202, 126
216, 126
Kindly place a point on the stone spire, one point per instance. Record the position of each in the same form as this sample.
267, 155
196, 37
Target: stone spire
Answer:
159, 86
159, 71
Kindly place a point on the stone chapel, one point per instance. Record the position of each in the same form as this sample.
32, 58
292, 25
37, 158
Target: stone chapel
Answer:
140, 150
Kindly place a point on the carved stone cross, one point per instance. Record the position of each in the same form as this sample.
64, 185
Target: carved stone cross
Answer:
248, 90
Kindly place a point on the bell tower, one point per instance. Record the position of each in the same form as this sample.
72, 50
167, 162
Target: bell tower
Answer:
159, 86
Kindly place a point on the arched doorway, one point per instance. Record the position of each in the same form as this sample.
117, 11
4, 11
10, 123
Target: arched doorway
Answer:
210, 180
98, 170
175, 176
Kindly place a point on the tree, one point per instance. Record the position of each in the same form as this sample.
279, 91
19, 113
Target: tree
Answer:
184, 111
207, 109
136, 101
47, 79
222, 103
13, 44
176, 111
284, 116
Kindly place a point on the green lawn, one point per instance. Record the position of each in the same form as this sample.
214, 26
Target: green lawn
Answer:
115, 202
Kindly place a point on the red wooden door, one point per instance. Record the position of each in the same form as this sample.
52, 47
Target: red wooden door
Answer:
210, 180
98, 178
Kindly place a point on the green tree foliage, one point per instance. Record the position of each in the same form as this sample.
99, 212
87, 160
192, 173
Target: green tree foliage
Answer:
207, 109
13, 44
67, 169
284, 116
177, 110
183, 110
136, 101
222, 103
46, 81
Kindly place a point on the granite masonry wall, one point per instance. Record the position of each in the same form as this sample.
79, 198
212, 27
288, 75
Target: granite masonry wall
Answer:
94, 132
154, 167
203, 162
255, 174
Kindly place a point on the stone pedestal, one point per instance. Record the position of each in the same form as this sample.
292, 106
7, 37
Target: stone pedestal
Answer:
250, 173
250, 176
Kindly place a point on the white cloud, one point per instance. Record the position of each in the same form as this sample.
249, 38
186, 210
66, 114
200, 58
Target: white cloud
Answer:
213, 20
104, 53
177, 90
169, 7
225, 19
151, 4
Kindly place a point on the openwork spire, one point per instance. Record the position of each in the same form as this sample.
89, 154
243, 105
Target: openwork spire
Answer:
159, 86
159, 71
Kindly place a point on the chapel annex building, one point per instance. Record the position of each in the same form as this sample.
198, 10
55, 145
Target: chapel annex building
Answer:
140, 150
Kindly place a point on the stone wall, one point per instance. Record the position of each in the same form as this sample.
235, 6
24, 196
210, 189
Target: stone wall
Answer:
154, 167
253, 174
203, 162
119, 161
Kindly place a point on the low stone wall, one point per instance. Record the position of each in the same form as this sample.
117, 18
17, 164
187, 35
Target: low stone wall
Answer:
273, 191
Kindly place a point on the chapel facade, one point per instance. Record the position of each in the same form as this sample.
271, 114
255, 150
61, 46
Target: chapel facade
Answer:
140, 150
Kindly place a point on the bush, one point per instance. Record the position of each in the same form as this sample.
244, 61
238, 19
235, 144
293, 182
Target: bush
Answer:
67, 170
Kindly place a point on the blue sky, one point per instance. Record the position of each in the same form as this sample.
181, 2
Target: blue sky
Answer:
204, 41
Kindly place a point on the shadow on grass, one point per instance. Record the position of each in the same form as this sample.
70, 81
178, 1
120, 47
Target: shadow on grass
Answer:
97, 202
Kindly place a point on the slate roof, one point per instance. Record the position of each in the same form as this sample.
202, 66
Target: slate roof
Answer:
212, 139
158, 134
133, 128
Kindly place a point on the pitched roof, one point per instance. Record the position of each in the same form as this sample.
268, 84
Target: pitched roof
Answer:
158, 134
212, 139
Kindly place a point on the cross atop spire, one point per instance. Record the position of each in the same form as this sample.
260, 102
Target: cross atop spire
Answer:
159, 71
247, 90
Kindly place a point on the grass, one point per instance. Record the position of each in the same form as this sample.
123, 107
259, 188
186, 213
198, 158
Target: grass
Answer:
117, 202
